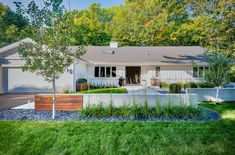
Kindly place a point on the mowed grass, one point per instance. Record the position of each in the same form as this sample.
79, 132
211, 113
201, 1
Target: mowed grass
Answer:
122, 137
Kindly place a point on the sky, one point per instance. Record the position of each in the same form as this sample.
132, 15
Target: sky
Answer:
74, 4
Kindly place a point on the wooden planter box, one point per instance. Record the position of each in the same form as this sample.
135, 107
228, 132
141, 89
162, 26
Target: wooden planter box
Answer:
63, 102
80, 87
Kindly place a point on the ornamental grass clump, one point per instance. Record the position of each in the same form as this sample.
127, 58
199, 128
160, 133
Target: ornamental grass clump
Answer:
122, 111
138, 111
94, 111
134, 112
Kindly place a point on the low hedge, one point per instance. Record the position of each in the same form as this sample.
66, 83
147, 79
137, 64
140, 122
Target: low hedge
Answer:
191, 85
175, 88
164, 85
205, 85
103, 91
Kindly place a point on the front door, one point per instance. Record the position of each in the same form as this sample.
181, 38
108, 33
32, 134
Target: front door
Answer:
133, 75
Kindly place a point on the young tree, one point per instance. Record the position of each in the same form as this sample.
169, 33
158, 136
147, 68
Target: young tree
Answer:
220, 70
49, 55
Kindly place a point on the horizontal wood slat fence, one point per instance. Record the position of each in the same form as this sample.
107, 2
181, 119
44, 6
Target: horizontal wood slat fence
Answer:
63, 102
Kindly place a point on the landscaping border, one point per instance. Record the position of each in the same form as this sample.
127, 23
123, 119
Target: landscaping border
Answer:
73, 102
65, 102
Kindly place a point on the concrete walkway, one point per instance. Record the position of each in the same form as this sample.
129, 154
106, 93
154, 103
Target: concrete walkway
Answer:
143, 90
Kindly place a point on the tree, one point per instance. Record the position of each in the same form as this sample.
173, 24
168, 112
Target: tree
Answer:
219, 72
49, 55
11, 25
90, 26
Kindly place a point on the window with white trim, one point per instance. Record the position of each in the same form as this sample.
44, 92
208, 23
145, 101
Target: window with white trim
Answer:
157, 71
199, 71
105, 71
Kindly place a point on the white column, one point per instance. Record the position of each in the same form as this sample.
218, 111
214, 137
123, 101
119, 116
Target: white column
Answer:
1, 80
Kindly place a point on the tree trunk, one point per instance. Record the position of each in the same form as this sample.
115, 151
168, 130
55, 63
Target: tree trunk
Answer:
217, 94
53, 101
53, 97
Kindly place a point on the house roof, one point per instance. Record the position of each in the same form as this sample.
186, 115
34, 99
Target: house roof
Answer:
12, 48
131, 55
149, 55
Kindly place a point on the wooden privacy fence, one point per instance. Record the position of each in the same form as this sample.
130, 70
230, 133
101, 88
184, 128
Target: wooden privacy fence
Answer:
63, 102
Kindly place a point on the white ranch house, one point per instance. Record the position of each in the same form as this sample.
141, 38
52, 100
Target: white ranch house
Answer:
104, 65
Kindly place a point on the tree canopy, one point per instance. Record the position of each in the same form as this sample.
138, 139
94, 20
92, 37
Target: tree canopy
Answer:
11, 25
207, 23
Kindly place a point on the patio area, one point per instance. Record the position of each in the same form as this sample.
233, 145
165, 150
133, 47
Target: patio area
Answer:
145, 90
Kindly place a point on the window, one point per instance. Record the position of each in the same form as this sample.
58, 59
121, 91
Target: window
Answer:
199, 71
195, 71
113, 71
157, 71
105, 71
97, 71
102, 71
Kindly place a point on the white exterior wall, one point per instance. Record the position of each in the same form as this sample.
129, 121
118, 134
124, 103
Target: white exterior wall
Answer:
178, 73
147, 72
168, 73
1, 80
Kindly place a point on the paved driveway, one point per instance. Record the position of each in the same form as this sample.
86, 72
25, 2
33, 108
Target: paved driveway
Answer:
9, 101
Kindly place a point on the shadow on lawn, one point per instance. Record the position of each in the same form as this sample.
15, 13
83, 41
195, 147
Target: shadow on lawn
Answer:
226, 109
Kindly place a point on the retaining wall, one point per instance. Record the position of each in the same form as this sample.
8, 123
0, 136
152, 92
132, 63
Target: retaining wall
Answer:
209, 94
128, 99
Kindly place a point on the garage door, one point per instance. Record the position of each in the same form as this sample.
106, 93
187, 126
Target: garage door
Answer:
15, 80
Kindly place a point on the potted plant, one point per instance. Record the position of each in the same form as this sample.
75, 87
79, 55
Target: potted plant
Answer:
153, 81
81, 84
121, 81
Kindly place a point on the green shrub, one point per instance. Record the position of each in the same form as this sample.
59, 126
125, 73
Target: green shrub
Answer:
190, 85
205, 85
104, 91
175, 88
164, 85
66, 91
81, 81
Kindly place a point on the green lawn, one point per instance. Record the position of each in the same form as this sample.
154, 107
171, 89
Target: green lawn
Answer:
122, 137
103, 91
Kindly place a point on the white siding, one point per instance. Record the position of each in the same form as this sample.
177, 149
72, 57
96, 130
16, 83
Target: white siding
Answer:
179, 73
1, 80
121, 71
147, 72
168, 73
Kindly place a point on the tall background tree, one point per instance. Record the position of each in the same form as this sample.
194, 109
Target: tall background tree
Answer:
11, 25
49, 54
